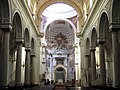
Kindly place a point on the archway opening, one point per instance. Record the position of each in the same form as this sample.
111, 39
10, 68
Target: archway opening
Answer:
59, 27
55, 12
105, 36
15, 38
60, 75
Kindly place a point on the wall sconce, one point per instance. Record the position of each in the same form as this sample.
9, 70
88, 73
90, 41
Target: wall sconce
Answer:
23, 65
12, 59
97, 64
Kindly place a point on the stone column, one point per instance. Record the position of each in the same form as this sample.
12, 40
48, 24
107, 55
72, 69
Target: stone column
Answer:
4, 65
93, 64
68, 69
18, 63
87, 55
32, 68
102, 63
27, 66
52, 68
116, 58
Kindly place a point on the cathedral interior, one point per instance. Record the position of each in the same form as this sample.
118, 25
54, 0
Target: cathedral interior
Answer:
59, 44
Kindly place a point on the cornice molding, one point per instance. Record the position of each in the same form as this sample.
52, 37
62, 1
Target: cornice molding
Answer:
30, 15
89, 16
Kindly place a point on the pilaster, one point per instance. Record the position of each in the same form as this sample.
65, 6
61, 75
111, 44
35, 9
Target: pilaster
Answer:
18, 62
4, 65
27, 66
101, 42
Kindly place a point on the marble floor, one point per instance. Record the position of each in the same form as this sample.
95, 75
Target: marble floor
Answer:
58, 87
51, 87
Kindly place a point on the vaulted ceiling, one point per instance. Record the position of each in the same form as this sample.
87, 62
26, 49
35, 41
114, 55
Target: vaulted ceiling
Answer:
82, 7
60, 34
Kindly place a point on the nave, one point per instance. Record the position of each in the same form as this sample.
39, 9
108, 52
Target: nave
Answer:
82, 45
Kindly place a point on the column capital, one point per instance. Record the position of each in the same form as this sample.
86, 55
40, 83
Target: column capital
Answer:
6, 27
33, 54
101, 40
41, 35
79, 35
19, 40
27, 48
92, 48
87, 53
114, 27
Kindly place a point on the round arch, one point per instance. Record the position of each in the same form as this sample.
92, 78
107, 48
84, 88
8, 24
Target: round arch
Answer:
32, 46
103, 25
58, 66
5, 15
17, 25
87, 46
63, 74
115, 11
107, 40
16, 32
66, 20
18, 12
107, 35
74, 4
27, 38
93, 38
